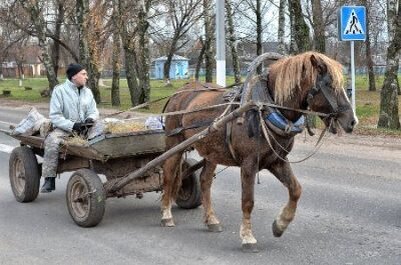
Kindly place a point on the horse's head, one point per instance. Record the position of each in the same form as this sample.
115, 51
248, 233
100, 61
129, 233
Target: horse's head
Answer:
327, 95
314, 81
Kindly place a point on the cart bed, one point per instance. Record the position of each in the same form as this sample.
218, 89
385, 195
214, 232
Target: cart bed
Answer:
109, 146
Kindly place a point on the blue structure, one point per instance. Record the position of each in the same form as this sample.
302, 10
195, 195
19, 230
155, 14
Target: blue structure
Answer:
178, 68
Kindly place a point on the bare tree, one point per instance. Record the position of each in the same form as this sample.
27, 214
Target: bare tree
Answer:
209, 33
388, 116
94, 30
281, 27
56, 47
391, 16
200, 58
34, 11
233, 42
133, 26
369, 60
116, 54
183, 14
318, 26
299, 28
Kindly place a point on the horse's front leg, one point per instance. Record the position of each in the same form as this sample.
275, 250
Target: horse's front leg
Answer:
247, 184
282, 170
210, 218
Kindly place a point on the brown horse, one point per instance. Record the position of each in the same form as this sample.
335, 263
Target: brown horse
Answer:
309, 81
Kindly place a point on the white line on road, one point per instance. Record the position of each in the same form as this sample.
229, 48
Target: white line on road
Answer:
6, 148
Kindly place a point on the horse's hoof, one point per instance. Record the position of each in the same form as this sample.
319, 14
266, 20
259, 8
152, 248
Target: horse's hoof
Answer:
250, 248
167, 222
215, 227
276, 231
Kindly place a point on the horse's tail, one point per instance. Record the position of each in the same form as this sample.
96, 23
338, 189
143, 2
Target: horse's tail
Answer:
177, 182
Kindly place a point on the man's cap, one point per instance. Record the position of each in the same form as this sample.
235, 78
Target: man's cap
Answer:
73, 69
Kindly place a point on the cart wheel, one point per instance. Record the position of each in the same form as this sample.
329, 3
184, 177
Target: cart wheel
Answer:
86, 198
24, 174
189, 195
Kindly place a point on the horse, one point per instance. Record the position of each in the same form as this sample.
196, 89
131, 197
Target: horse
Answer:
309, 81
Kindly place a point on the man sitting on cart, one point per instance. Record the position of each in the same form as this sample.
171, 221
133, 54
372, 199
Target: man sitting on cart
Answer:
72, 110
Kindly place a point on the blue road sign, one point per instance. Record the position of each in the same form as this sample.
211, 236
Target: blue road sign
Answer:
352, 23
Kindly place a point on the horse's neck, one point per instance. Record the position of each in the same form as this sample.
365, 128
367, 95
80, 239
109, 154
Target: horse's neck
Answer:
295, 103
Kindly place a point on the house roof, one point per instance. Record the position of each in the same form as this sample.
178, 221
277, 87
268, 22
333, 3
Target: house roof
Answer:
175, 58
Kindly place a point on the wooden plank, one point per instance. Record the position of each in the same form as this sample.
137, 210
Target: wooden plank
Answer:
132, 144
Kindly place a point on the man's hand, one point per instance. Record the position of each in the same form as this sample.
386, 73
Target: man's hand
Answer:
78, 127
89, 121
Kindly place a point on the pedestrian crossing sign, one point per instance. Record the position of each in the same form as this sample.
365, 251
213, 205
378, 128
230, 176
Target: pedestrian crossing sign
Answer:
352, 23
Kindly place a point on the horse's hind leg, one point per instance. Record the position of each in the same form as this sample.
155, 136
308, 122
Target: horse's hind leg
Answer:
206, 177
170, 180
283, 172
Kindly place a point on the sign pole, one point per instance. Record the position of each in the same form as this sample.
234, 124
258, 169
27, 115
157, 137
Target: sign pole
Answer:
352, 27
352, 76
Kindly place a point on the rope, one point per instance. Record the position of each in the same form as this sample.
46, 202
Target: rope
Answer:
267, 133
175, 93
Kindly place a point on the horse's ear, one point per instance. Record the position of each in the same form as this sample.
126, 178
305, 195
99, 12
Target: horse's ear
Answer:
321, 67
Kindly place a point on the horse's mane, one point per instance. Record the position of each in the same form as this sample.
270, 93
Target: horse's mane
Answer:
290, 71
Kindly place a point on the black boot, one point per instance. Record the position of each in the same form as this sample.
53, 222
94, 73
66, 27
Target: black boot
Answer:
49, 185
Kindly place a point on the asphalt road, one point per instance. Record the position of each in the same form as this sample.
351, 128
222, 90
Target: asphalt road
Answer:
349, 213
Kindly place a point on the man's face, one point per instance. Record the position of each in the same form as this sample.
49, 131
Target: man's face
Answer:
80, 78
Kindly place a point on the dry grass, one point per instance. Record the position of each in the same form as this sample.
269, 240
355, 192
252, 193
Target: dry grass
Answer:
124, 127
367, 110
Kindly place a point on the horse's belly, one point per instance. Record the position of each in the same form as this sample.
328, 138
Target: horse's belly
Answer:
215, 150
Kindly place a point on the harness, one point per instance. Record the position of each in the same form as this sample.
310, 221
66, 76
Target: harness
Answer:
335, 110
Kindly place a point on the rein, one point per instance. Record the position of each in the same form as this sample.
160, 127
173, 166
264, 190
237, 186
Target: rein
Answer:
267, 133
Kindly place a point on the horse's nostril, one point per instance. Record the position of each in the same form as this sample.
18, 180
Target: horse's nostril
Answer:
353, 123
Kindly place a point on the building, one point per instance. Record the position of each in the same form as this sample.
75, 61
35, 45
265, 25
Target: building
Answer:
178, 68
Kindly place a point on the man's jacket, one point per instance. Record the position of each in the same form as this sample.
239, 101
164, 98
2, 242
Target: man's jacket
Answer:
68, 105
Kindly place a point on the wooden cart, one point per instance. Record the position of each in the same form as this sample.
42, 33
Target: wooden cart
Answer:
114, 156
131, 163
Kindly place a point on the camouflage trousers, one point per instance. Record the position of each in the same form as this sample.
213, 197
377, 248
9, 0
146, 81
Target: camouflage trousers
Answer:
52, 148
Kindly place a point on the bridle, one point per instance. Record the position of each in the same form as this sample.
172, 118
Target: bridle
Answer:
328, 94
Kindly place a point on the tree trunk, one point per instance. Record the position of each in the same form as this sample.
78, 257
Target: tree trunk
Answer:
40, 26
89, 47
82, 15
144, 57
281, 27
391, 23
131, 76
233, 43
200, 59
318, 26
300, 29
115, 85
259, 32
369, 60
167, 65
389, 117
57, 35
208, 54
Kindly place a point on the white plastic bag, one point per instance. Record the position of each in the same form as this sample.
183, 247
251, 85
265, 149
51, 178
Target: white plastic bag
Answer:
31, 124
154, 123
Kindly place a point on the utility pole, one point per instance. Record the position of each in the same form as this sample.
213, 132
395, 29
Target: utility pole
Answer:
220, 44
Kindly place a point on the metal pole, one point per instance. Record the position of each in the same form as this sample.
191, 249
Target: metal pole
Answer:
220, 44
353, 77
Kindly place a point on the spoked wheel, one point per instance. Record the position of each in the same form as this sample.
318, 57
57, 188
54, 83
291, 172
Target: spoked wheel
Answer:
24, 174
86, 198
189, 195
